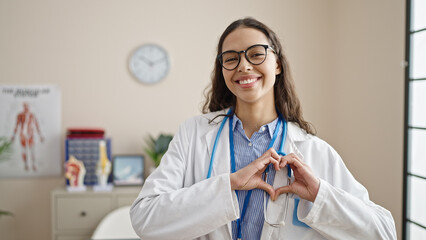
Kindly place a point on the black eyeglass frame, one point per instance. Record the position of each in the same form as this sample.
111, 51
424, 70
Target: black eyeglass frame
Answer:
219, 58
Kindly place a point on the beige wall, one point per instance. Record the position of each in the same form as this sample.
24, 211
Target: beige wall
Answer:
345, 56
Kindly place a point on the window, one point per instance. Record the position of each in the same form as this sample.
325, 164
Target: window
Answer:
414, 226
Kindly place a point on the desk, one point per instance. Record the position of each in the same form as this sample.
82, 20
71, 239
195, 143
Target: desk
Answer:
75, 215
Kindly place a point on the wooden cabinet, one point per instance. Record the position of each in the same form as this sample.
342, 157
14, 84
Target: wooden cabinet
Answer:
75, 215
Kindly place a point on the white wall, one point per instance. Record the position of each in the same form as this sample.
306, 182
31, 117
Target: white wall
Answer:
345, 56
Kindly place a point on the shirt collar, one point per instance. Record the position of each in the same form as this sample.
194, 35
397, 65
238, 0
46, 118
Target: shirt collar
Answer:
269, 126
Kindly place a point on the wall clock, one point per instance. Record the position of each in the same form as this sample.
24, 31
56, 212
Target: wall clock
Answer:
149, 63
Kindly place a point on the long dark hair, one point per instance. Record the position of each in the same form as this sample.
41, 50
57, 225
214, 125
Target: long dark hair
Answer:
219, 97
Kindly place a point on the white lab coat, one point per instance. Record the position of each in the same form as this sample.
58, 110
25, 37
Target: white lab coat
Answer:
178, 202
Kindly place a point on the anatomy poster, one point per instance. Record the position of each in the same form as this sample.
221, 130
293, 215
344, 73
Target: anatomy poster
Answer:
30, 125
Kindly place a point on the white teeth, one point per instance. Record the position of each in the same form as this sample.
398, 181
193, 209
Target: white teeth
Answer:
247, 81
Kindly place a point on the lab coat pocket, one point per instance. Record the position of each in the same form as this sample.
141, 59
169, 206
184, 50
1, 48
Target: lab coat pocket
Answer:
296, 221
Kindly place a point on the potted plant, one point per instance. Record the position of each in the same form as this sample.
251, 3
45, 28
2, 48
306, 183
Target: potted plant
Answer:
157, 147
5, 150
5, 213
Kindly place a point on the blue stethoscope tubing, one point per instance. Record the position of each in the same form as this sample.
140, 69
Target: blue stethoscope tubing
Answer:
231, 137
282, 121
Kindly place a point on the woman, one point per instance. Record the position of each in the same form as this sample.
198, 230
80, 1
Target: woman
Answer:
251, 167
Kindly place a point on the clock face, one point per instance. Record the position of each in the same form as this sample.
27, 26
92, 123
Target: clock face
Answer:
149, 63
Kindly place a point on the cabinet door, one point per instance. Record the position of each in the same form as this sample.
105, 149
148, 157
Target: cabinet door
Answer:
123, 201
81, 212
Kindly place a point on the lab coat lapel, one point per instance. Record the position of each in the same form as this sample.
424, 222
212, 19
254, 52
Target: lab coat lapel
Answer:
222, 160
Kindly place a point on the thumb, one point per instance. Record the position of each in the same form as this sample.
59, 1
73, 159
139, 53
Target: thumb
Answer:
281, 190
267, 188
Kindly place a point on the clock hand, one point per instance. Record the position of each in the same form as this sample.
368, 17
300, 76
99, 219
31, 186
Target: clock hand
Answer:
159, 60
143, 58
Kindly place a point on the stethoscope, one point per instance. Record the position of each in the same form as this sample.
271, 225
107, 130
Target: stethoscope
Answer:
281, 121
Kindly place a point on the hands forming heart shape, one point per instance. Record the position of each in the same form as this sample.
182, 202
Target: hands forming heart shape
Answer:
305, 184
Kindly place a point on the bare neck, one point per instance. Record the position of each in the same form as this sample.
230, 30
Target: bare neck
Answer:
253, 116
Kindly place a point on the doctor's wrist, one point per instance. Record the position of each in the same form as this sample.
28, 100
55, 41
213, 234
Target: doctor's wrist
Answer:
234, 181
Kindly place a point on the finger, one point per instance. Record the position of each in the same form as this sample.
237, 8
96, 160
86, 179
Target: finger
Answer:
270, 153
274, 153
281, 190
284, 159
267, 188
261, 163
283, 162
264, 162
263, 169
296, 157
275, 162
268, 160
294, 161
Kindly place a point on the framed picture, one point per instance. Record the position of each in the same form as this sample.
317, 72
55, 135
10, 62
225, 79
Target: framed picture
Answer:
128, 170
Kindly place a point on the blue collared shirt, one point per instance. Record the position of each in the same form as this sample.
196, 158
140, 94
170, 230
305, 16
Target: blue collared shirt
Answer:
246, 151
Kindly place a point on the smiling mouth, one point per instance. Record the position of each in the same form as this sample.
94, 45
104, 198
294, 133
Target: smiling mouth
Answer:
247, 81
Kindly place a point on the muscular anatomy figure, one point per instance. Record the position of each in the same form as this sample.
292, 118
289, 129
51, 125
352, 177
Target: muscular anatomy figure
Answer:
25, 124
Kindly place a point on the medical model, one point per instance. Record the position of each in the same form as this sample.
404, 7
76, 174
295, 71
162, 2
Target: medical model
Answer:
103, 167
75, 172
26, 124
251, 167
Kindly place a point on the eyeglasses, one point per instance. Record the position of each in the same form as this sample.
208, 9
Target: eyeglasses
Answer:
255, 55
